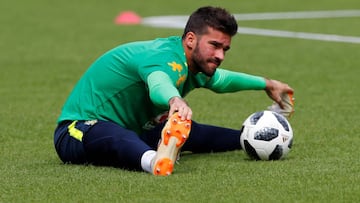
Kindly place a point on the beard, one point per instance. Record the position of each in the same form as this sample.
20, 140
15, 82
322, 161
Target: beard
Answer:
201, 64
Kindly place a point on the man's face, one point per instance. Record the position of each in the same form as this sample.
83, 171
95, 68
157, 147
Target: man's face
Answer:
209, 51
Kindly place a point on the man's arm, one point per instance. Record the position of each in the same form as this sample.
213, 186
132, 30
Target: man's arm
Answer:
163, 93
229, 81
161, 88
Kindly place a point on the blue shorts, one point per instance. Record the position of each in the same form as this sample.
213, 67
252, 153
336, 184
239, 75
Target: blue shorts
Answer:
108, 144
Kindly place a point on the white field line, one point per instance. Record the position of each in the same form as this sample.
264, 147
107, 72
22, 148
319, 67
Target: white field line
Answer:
299, 35
180, 21
298, 15
165, 21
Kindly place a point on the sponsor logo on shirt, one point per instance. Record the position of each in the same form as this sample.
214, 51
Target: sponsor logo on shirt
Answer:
178, 68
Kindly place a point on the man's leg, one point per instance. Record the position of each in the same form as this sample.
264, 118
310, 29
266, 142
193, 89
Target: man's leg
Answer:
107, 143
208, 138
100, 143
69, 149
202, 138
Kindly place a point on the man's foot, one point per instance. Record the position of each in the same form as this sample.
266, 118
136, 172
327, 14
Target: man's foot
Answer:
173, 136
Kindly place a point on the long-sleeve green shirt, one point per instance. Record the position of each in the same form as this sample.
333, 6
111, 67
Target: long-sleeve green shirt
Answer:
132, 83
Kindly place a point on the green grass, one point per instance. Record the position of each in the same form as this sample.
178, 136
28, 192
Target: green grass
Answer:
46, 46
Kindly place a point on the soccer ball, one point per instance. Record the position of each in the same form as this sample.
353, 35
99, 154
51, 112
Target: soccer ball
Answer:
266, 135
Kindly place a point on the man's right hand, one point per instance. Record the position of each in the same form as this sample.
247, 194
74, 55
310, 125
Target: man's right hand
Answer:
178, 104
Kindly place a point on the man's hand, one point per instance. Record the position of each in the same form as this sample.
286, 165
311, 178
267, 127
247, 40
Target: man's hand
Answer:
288, 103
275, 89
282, 95
179, 105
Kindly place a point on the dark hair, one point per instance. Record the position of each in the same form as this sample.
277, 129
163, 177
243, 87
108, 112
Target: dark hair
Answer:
214, 17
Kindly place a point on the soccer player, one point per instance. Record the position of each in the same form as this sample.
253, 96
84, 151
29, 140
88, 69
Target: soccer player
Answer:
128, 109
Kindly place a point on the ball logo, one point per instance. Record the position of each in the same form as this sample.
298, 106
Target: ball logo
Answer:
285, 138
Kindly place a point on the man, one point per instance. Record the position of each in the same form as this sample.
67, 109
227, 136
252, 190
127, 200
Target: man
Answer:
115, 114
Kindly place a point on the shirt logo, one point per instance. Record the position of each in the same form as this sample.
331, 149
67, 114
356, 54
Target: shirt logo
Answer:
175, 66
178, 68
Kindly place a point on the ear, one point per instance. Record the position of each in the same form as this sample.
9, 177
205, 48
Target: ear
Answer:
190, 40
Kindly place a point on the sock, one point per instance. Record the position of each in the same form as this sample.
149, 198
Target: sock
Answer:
146, 160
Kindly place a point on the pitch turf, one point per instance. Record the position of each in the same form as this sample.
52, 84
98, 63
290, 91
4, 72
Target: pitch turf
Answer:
46, 45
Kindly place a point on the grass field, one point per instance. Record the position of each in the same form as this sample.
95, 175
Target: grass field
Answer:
46, 45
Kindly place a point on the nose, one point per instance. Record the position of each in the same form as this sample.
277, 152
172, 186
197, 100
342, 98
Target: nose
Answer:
220, 54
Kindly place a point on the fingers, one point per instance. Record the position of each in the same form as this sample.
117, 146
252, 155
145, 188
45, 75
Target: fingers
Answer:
288, 89
281, 104
179, 105
275, 89
172, 110
285, 93
184, 112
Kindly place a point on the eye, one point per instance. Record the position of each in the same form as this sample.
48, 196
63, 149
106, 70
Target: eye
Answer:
218, 45
226, 48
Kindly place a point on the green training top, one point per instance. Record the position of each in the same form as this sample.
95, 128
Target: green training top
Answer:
132, 84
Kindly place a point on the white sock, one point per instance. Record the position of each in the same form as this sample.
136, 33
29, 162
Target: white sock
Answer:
146, 160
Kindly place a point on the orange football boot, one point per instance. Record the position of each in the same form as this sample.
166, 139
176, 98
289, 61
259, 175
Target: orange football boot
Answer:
173, 136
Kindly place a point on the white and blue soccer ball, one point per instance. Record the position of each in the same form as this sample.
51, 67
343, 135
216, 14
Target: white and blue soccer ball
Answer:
266, 135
